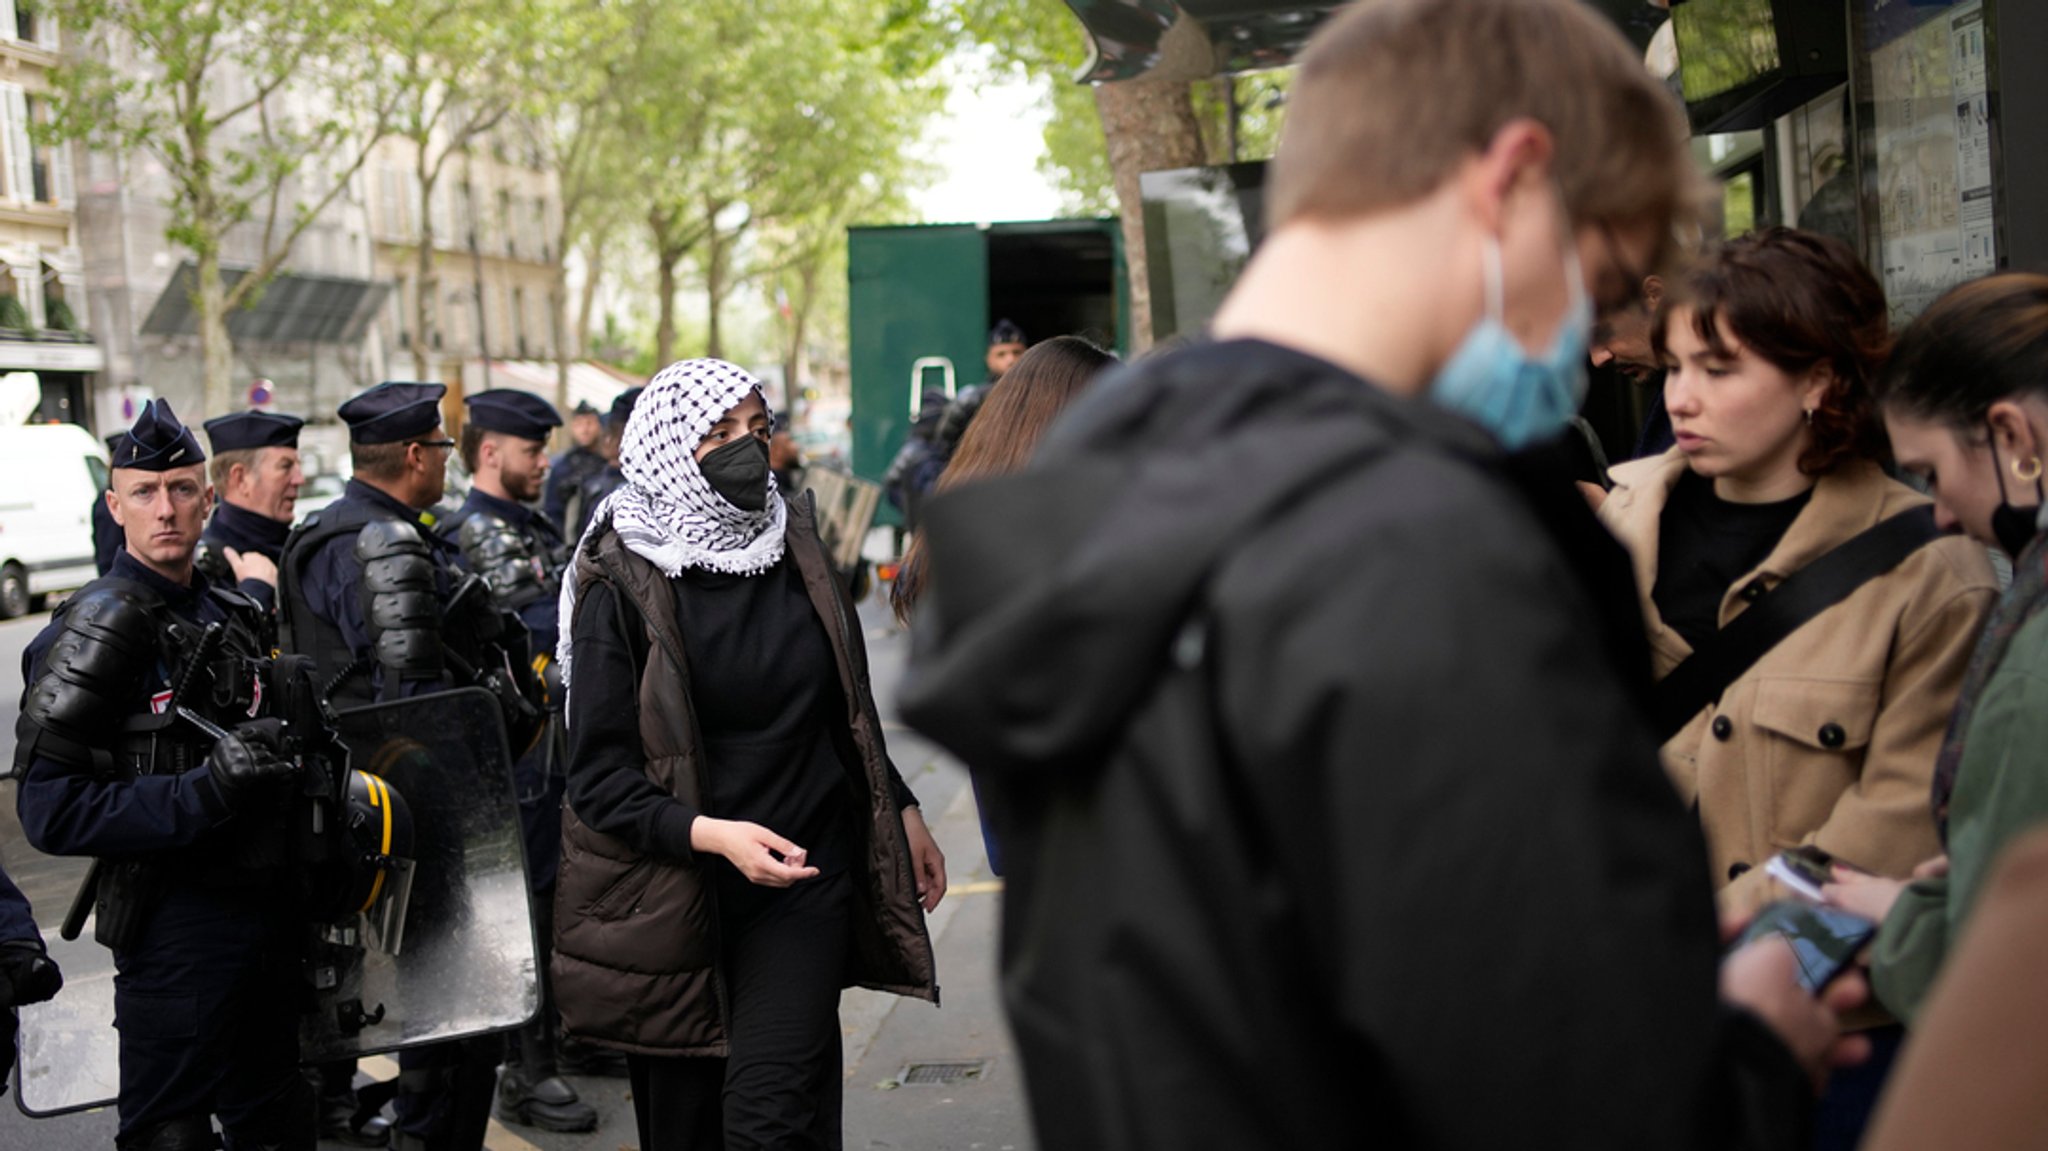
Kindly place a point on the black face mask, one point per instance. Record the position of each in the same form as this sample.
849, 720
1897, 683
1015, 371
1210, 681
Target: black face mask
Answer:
739, 472
2014, 527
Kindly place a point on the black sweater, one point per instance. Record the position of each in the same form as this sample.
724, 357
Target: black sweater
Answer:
769, 709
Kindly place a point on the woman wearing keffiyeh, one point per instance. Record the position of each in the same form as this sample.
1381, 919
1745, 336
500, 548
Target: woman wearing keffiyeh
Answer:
737, 846
1966, 402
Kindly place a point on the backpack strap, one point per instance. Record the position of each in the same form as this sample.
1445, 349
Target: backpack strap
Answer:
1806, 593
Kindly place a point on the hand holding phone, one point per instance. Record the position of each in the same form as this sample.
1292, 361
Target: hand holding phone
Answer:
1825, 940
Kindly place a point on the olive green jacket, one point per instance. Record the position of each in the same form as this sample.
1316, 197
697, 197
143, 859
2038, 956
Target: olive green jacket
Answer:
2001, 791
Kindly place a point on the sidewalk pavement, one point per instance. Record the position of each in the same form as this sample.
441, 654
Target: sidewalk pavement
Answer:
886, 1105
887, 1036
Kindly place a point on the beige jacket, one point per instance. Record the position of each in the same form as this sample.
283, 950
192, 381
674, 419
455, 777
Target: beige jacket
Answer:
1830, 738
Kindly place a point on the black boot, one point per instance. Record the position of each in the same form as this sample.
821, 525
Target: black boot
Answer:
343, 1116
549, 1104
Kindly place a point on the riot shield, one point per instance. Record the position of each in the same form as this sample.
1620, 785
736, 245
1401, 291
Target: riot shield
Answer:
465, 960
455, 959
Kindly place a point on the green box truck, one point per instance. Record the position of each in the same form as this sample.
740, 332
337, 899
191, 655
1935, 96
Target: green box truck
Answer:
923, 297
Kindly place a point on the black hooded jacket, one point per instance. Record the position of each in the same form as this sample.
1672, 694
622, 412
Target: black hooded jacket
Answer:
1316, 736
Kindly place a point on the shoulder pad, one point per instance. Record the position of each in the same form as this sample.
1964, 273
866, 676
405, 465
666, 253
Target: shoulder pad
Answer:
505, 557
400, 607
380, 538
106, 640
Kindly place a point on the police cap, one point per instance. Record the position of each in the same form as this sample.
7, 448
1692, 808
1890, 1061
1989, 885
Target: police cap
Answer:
157, 442
514, 413
246, 431
622, 409
1005, 332
391, 412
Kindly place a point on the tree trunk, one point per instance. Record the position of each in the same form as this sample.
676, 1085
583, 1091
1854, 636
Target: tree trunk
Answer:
665, 329
558, 334
1149, 124
593, 264
714, 288
216, 349
793, 360
427, 285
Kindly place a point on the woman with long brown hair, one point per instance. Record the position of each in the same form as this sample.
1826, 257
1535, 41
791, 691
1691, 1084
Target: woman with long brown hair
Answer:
1018, 410
1014, 417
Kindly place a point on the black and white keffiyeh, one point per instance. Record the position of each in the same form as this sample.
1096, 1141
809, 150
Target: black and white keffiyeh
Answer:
666, 512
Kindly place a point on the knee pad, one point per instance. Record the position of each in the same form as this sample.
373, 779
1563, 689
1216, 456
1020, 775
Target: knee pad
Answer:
178, 1133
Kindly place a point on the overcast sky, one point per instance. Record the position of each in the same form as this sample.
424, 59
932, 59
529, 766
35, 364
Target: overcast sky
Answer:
987, 148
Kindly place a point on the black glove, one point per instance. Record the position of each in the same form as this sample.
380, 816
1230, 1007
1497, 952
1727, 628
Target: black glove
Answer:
246, 759
27, 973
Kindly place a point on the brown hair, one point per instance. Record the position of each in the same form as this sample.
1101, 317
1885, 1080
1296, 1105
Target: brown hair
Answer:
1801, 301
379, 461
472, 443
219, 466
1393, 95
1980, 343
1004, 433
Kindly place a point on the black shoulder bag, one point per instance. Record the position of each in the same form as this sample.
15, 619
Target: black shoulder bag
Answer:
1806, 593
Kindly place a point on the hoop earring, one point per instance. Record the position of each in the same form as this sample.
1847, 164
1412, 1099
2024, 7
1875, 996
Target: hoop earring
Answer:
2022, 473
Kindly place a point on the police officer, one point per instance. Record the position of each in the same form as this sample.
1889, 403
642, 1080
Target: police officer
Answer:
583, 460
520, 554
606, 480
256, 473
106, 534
27, 973
365, 589
189, 829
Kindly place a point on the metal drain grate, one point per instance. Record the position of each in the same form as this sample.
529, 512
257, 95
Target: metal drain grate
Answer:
943, 1074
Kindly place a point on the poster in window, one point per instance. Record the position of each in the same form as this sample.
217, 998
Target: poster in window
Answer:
1930, 138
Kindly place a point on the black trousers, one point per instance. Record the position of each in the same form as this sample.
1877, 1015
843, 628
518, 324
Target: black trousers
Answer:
783, 964
207, 1013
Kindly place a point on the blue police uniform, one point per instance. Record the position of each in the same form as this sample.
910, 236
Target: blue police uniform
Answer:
541, 784
27, 974
369, 544
519, 553
200, 915
17, 922
566, 476
567, 473
106, 534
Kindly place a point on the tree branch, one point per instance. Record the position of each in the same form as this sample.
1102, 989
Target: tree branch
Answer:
273, 259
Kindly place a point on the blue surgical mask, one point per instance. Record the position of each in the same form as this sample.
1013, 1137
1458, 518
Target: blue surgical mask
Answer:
1520, 398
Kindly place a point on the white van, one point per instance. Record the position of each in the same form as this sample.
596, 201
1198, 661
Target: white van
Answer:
50, 474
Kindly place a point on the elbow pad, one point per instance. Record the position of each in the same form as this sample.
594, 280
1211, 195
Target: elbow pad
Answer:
399, 606
93, 672
505, 559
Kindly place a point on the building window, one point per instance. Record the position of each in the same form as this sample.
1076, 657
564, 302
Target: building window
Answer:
20, 157
507, 223
519, 321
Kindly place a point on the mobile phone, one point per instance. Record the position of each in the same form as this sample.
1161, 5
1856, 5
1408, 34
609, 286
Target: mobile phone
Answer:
1824, 939
1804, 869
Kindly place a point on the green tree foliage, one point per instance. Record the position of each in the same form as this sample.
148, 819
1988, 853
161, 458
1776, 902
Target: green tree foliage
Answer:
753, 117
260, 111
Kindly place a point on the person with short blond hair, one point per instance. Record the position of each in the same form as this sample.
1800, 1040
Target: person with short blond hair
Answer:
1322, 704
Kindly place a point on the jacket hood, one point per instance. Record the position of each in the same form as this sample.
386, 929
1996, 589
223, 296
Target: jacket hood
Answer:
1057, 592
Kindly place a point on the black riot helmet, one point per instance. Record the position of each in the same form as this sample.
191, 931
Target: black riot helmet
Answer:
380, 839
